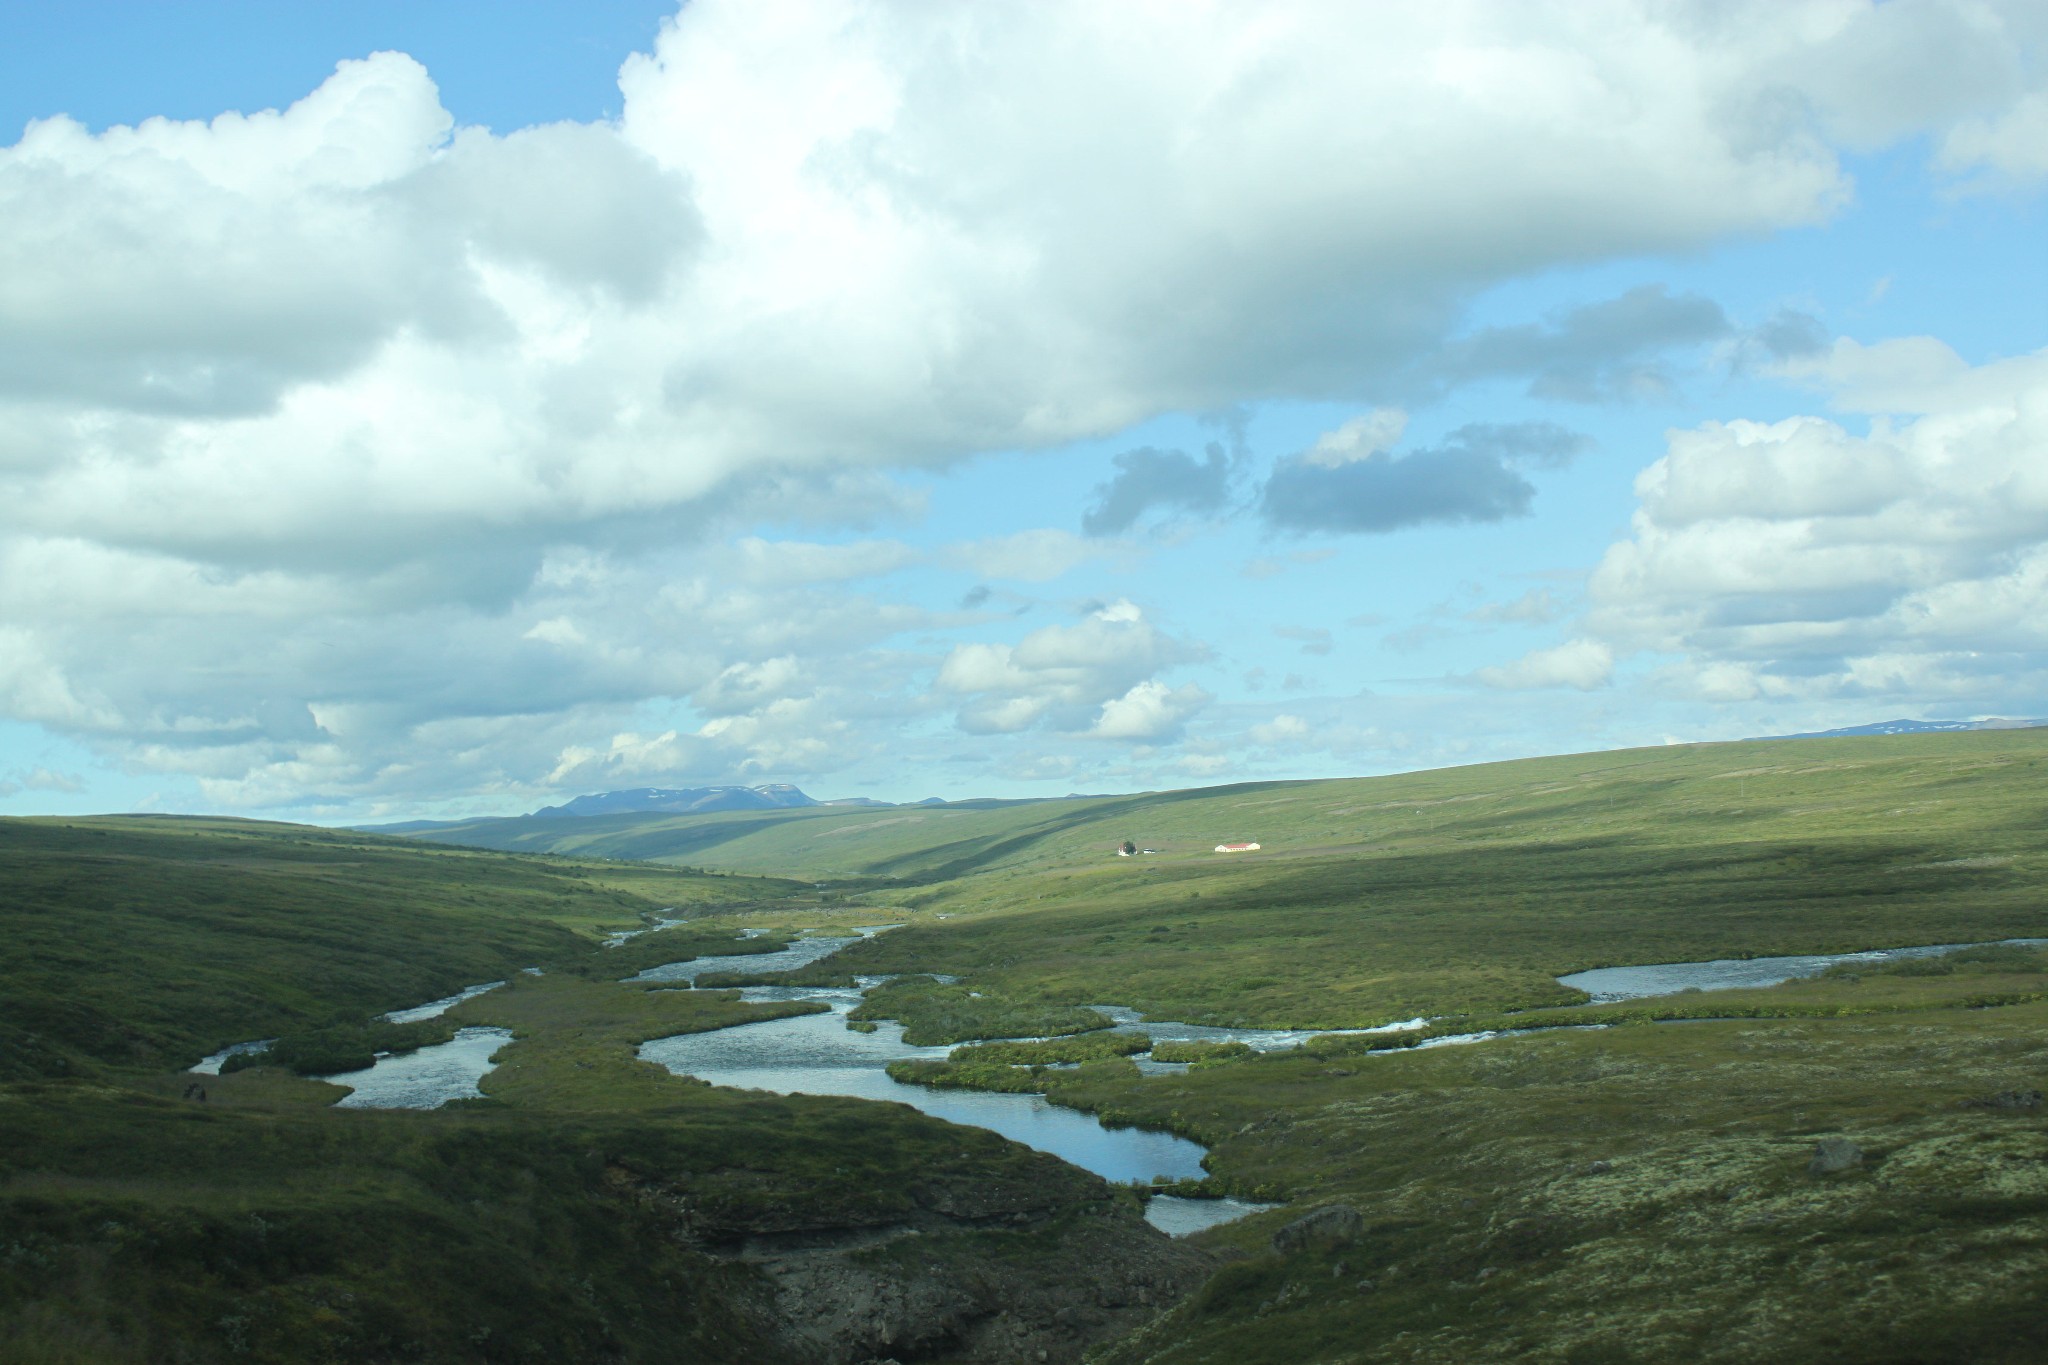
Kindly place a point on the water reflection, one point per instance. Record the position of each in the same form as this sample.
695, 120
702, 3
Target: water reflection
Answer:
427, 1078
816, 1054
1179, 1217
1609, 984
210, 1066
433, 1009
1258, 1039
802, 953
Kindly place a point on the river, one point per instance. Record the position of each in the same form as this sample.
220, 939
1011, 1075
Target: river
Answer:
816, 1054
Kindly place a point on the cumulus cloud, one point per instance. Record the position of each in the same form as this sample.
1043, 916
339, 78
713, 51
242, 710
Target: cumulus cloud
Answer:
1805, 560
2012, 145
1583, 664
1084, 677
1341, 485
300, 409
1149, 713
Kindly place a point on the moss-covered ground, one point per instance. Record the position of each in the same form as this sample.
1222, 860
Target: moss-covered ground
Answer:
1637, 1191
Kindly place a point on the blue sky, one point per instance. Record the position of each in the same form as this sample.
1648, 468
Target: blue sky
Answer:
902, 400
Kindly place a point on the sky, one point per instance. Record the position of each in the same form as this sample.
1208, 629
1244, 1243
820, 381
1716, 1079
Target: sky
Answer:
424, 411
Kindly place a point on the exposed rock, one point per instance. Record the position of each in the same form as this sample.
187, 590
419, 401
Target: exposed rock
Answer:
1331, 1225
965, 1297
2007, 1099
1834, 1154
978, 1266
1599, 1167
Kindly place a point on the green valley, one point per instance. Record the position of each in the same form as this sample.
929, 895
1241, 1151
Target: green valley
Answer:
1626, 1181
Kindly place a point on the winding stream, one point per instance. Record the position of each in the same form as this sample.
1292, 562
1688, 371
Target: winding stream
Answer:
816, 1054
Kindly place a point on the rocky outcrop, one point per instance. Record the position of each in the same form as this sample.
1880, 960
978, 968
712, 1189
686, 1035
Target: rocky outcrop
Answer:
1046, 1294
2007, 1099
1331, 1225
983, 1272
1834, 1154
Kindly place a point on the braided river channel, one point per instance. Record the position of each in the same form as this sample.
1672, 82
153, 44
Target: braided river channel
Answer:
816, 1054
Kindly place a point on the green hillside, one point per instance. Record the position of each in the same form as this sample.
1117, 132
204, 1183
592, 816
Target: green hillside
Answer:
592, 1208
1458, 891
1689, 794
153, 940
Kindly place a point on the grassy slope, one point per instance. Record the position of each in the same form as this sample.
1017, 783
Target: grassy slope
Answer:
580, 1213
1689, 795
154, 941
1475, 887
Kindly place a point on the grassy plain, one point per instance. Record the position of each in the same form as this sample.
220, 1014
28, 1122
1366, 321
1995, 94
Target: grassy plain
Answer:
1638, 1193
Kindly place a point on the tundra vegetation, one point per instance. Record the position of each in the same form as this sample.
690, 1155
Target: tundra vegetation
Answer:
1644, 1190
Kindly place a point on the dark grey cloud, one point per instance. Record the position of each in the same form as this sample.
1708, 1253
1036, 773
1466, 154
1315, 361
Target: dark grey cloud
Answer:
1474, 476
1148, 478
1592, 354
1790, 334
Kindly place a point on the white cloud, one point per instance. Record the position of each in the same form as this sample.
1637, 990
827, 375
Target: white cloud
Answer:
1149, 712
2014, 143
556, 630
1583, 664
40, 779
344, 410
1094, 676
745, 686
32, 687
629, 755
1034, 556
1360, 438
1799, 559
1282, 729
791, 561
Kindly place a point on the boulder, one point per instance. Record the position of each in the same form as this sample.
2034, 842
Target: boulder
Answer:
1834, 1154
2009, 1099
1331, 1225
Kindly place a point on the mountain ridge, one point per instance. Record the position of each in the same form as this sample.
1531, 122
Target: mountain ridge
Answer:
680, 801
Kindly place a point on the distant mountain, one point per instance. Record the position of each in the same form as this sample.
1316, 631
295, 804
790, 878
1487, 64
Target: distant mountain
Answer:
680, 801
856, 801
1913, 727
